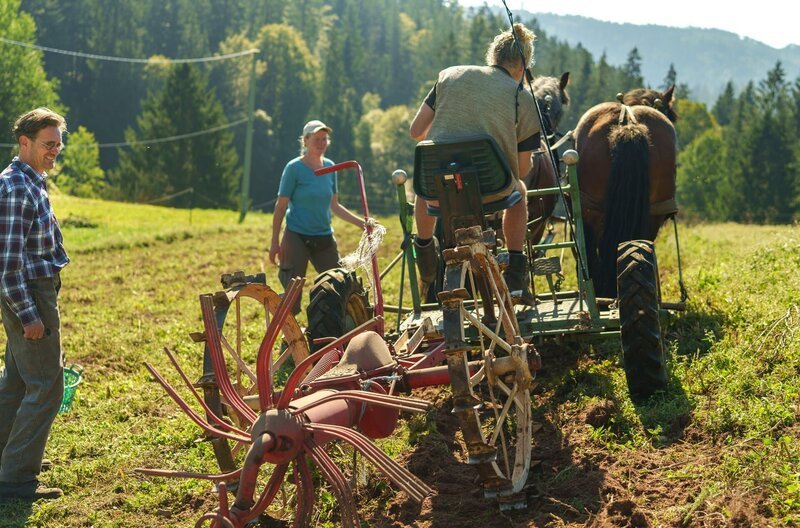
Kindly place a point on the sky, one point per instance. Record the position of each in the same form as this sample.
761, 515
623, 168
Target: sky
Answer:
767, 21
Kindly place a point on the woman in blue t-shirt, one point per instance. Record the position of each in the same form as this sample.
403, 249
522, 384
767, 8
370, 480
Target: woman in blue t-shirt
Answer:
307, 201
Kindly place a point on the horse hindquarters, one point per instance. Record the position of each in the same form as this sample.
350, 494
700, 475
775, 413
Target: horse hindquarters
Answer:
627, 207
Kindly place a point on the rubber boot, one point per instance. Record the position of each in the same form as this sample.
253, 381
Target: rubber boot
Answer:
428, 266
518, 278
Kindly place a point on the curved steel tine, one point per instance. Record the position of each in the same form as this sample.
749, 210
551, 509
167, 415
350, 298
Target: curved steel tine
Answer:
305, 492
266, 498
337, 481
215, 349
196, 418
222, 477
400, 476
372, 398
219, 421
263, 363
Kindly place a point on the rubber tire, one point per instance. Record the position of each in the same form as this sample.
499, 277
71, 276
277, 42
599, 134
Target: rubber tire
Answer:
338, 304
640, 328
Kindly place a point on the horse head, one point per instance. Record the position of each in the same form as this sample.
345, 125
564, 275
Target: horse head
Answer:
661, 101
551, 96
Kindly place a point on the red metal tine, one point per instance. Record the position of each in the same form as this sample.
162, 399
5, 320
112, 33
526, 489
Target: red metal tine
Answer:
305, 492
216, 419
376, 276
218, 362
215, 519
299, 371
267, 496
338, 483
263, 363
262, 445
224, 510
222, 477
196, 418
402, 478
371, 398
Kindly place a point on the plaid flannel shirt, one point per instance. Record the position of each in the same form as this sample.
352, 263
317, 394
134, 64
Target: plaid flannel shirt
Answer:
31, 245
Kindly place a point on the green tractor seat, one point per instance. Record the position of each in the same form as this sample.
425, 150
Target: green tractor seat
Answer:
469, 177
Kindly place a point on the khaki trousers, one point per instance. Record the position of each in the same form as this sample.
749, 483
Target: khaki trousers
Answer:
297, 250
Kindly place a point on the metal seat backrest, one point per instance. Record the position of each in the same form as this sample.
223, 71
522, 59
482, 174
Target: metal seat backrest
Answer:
468, 177
477, 154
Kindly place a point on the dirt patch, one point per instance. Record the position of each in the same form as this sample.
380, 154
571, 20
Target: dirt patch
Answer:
574, 480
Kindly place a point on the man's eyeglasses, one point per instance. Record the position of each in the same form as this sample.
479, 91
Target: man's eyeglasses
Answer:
52, 146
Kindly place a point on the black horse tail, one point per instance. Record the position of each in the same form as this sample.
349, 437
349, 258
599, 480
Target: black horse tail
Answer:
627, 208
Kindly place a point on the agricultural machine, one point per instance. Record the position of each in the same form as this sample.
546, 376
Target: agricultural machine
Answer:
274, 399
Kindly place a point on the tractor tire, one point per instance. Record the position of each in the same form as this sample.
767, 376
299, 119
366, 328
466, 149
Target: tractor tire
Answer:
640, 328
338, 304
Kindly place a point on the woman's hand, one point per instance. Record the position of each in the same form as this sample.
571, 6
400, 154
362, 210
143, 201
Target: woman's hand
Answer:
274, 250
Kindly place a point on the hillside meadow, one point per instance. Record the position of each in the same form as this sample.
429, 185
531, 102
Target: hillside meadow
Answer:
720, 448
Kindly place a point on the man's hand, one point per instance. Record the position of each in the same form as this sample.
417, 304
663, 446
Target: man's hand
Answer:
273, 252
34, 330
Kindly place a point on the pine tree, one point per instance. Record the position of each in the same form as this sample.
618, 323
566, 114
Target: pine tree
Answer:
633, 69
723, 107
671, 79
205, 163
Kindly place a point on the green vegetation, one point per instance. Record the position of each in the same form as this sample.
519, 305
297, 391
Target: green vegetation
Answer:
728, 424
337, 61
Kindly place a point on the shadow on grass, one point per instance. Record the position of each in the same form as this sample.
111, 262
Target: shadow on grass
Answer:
15, 514
695, 330
664, 415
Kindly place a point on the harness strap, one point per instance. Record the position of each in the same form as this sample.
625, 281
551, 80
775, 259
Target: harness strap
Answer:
667, 207
626, 113
555, 146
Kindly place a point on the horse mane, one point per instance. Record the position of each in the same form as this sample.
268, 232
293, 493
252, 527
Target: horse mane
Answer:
661, 101
543, 86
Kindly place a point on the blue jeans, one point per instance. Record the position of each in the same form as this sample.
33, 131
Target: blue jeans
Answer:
31, 385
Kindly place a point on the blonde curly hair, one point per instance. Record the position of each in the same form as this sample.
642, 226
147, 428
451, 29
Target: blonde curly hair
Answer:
503, 52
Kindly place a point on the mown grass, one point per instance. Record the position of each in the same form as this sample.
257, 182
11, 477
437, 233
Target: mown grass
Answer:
132, 288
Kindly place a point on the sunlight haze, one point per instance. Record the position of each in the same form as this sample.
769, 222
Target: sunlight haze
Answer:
770, 23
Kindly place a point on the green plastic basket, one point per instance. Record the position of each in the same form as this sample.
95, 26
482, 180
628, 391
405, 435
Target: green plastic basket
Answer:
72, 378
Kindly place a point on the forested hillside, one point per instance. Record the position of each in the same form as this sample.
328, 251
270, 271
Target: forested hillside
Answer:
706, 58
149, 129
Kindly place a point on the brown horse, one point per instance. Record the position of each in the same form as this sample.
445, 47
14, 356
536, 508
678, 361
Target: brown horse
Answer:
626, 173
551, 96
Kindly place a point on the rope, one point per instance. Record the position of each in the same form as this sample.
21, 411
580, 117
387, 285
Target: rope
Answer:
125, 59
371, 239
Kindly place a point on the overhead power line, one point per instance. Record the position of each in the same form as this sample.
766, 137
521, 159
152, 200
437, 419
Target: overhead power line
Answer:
173, 138
154, 140
95, 56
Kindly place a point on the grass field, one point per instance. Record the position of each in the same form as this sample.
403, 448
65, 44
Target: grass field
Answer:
720, 448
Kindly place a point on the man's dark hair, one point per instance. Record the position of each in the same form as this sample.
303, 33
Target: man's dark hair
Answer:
30, 123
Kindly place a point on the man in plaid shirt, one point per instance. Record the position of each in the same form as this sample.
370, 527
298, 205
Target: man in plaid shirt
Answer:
31, 257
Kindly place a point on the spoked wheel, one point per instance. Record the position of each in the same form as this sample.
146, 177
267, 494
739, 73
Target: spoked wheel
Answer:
289, 429
492, 395
243, 313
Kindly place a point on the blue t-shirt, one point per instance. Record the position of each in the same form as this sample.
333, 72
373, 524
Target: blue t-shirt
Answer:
310, 196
